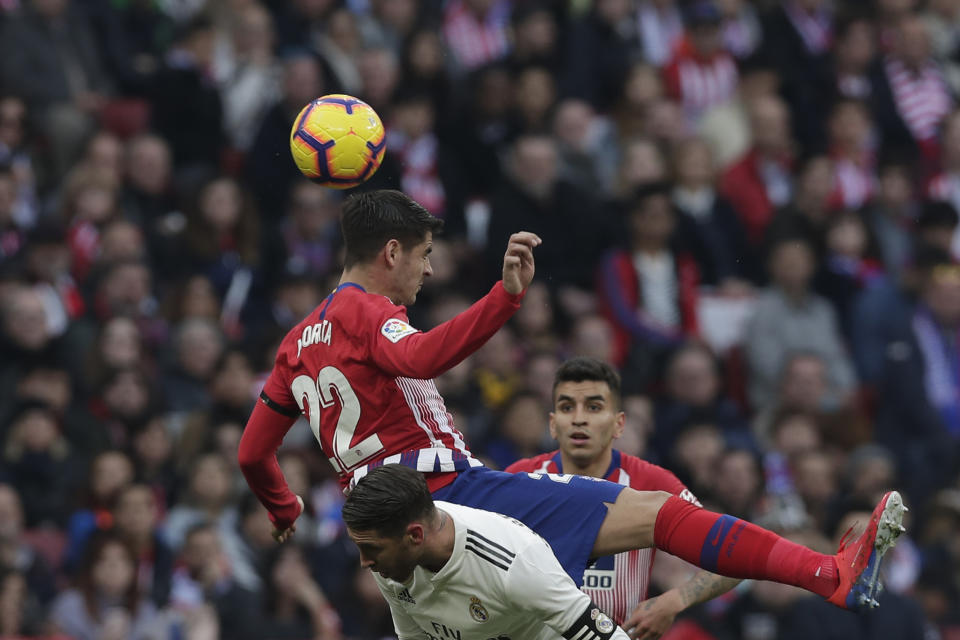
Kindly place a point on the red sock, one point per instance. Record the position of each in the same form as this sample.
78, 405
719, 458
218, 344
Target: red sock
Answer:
734, 547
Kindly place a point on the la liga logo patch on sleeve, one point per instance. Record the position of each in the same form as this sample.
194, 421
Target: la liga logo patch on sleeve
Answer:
395, 329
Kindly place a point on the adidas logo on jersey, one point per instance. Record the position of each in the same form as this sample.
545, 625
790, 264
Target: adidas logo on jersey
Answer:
406, 597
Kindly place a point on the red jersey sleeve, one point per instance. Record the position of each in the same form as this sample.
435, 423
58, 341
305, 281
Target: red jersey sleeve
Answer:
400, 350
273, 415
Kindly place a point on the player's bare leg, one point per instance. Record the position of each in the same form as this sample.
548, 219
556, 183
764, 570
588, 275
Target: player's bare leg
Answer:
630, 522
733, 547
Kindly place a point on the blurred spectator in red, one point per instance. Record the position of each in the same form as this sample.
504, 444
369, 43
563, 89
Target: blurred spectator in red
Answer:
910, 96
477, 31
647, 288
761, 181
853, 153
701, 74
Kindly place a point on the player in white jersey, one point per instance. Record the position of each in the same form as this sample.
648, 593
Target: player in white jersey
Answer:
458, 573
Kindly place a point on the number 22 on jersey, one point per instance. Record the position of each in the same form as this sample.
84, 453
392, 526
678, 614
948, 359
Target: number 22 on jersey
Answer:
315, 395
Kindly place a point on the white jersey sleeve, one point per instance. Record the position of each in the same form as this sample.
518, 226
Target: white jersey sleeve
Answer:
537, 584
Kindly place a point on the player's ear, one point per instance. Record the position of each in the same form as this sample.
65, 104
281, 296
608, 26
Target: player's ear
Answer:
415, 532
391, 252
553, 426
621, 420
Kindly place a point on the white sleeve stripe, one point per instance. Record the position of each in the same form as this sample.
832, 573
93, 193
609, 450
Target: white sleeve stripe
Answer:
586, 633
477, 552
489, 550
471, 532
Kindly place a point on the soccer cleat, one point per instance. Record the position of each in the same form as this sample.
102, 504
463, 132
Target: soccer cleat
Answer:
858, 563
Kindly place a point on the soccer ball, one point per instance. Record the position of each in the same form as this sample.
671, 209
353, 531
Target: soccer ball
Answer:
337, 141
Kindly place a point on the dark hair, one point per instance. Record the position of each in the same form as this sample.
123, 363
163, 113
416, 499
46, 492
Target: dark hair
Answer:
85, 581
387, 499
646, 192
582, 368
937, 215
371, 219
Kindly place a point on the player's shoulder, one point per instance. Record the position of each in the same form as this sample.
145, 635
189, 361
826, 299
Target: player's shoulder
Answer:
487, 530
647, 476
536, 463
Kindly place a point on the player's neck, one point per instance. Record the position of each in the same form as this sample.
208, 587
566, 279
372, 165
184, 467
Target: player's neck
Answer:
367, 278
595, 468
440, 543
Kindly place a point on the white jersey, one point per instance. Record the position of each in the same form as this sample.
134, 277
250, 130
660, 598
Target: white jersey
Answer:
502, 582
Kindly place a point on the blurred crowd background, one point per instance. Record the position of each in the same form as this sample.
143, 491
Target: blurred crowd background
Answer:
749, 207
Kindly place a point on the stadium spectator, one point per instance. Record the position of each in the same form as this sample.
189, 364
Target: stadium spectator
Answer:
106, 601
648, 288
761, 181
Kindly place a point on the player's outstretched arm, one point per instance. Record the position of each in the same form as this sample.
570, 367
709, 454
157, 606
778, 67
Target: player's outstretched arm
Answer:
653, 617
412, 354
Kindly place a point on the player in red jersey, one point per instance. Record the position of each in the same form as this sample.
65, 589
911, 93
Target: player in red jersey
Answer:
362, 376
585, 421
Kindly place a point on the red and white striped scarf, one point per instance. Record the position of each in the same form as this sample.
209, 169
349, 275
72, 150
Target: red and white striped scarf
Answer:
921, 97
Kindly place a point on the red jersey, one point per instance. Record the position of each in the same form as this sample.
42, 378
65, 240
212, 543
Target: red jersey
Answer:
618, 583
362, 376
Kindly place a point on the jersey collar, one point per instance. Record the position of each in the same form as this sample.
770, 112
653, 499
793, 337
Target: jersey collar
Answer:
614, 462
329, 298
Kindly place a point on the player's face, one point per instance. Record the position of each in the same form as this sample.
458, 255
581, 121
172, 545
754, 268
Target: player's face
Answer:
413, 267
391, 557
585, 419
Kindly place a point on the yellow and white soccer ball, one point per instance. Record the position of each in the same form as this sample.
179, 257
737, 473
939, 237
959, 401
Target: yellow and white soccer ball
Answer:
337, 141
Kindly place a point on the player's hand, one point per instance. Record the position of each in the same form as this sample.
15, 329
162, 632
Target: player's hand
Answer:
653, 617
282, 535
518, 264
